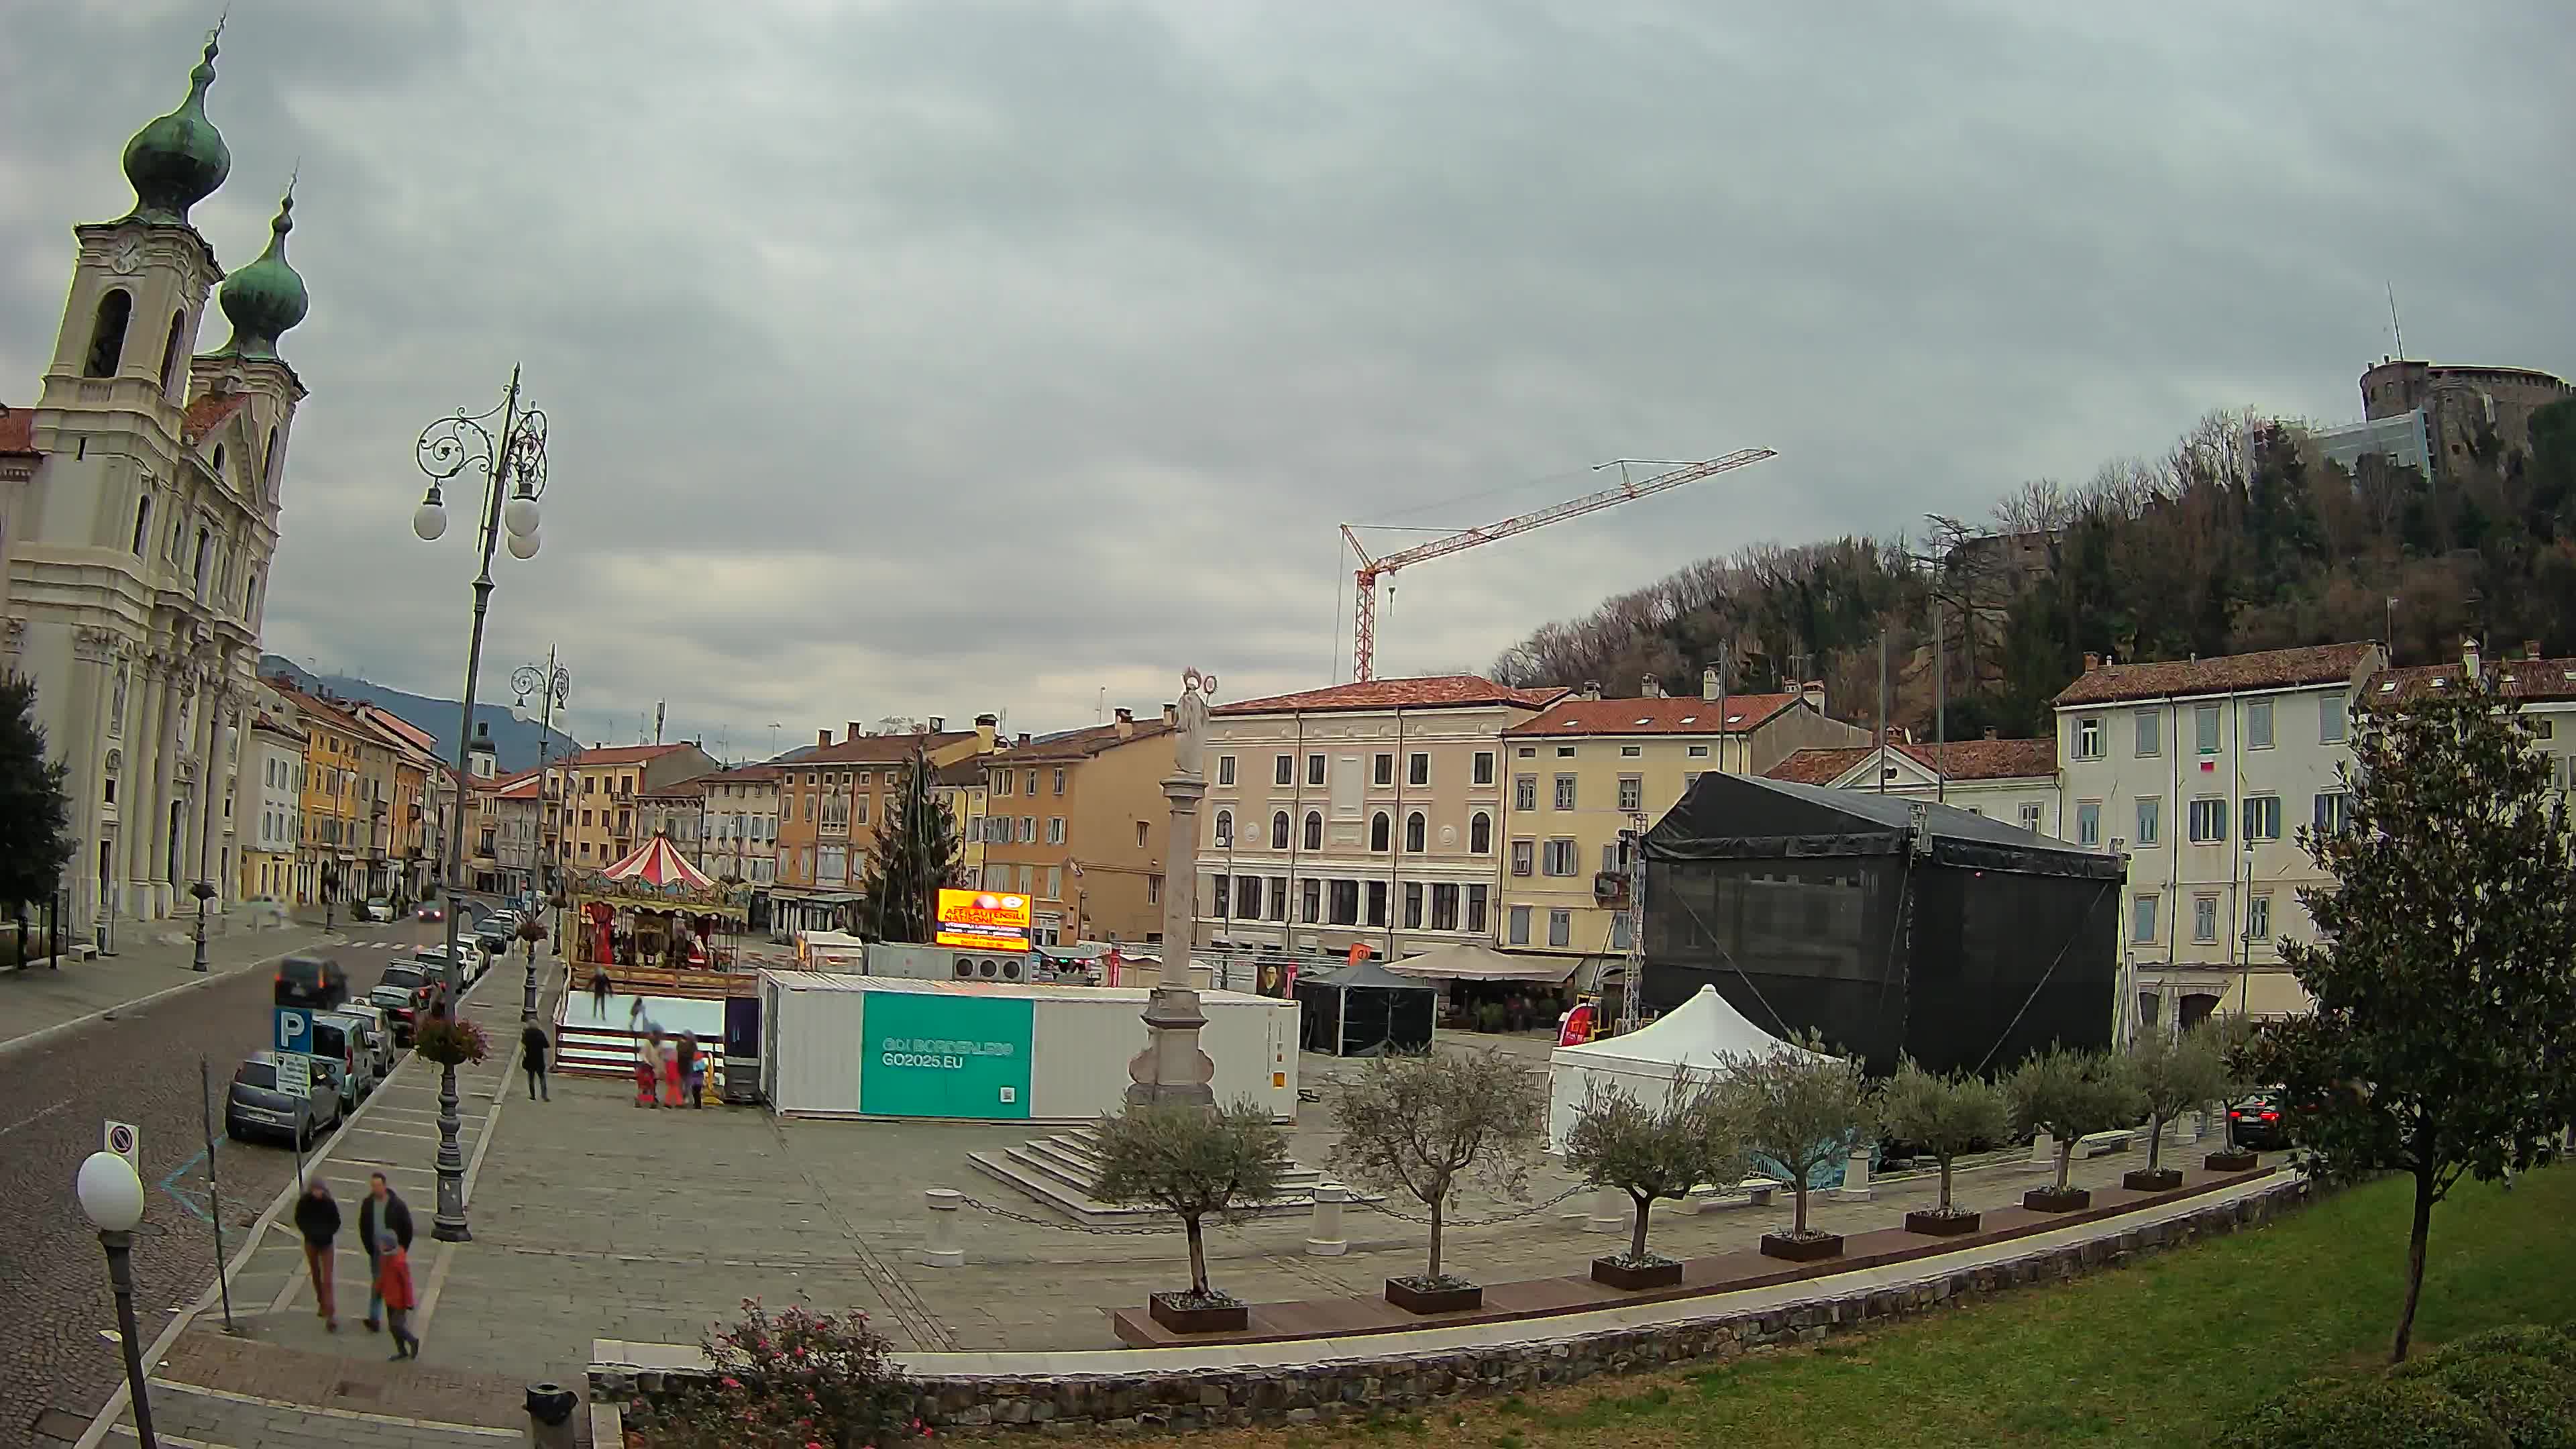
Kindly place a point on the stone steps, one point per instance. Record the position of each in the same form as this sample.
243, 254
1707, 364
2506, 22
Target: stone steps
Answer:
1061, 1172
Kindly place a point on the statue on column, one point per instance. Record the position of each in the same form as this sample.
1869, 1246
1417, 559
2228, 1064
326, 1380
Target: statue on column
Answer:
1189, 745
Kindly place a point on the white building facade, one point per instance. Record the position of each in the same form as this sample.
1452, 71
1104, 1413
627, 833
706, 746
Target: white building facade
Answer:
139, 545
741, 824
269, 809
2014, 781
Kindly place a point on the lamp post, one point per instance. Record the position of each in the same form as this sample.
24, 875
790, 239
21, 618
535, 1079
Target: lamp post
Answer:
513, 464
204, 893
111, 1197
554, 682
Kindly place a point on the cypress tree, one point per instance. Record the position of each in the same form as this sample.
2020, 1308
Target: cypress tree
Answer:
35, 816
915, 854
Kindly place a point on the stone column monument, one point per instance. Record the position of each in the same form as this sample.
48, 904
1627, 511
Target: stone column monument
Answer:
1171, 1068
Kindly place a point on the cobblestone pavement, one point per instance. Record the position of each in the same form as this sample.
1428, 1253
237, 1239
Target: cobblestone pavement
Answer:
142, 1067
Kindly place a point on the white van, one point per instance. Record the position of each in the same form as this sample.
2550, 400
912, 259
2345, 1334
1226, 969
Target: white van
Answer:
380, 1032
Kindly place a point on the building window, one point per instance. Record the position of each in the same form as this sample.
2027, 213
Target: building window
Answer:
2205, 729
2258, 918
2088, 738
2088, 822
2151, 819
1225, 769
1382, 769
1314, 769
2330, 720
1476, 909
2151, 733
1480, 834
1484, 774
1518, 933
1619, 932
1028, 830
1314, 830
2208, 821
1565, 792
1284, 770
1055, 883
1565, 752
1055, 830
1415, 831
1560, 858
1224, 829
2262, 817
1346, 903
107, 333
2142, 920
1376, 903
1444, 907
2333, 812
1279, 899
1059, 782
1697, 752
1632, 793
1030, 784
1417, 769
1154, 889
1560, 928
1525, 792
1279, 830
1247, 895
1221, 896
1524, 853
1380, 832
142, 523
2204, 919
2258, 725
1413, 905
2030, 817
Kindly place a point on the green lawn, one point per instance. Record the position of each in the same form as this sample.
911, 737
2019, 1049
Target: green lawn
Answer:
2158, 1353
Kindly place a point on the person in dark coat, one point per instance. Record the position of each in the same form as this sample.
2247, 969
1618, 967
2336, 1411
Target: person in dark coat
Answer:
532, 1056
383, 1214
317, 1219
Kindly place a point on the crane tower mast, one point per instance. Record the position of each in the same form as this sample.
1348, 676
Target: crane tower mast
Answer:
1364, 605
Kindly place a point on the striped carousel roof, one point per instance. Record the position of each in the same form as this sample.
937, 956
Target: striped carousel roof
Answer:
656, 864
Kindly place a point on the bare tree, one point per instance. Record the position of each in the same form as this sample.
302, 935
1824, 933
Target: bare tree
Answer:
1193, 1164
1420, 1125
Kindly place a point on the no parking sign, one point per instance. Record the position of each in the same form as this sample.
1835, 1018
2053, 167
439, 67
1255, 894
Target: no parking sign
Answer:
125, 1142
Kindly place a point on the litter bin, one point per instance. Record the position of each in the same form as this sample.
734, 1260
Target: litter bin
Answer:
550, 1408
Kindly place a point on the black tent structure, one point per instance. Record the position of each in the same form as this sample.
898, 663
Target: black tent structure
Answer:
1892, 926
1364, 1011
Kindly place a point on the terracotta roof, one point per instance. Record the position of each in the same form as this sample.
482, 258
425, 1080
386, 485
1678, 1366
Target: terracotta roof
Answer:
17, 430
693, 787
1079, 744
208, 412
882, 749
1957, 760
521, 786
277, 727
2529, 679
620, 754
742, 775
1692, 716
1436, 691
2269, 669
965, 774
332, 712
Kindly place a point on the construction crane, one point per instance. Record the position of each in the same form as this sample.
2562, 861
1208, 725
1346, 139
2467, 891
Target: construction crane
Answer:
1364, 608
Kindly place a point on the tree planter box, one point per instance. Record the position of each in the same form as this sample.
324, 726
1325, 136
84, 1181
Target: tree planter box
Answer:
2049, 1200
1802, 1250
2161, 1179
1942, 1225
1181, 1317
1652, 1275
2232, 1160
1403, 1294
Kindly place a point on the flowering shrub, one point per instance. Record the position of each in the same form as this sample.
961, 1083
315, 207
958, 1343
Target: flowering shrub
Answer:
795, 1379
450, 1041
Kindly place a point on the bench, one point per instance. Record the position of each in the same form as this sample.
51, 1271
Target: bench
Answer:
1755, 1191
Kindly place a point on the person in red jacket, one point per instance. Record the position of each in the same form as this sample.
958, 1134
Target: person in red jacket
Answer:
393, 1285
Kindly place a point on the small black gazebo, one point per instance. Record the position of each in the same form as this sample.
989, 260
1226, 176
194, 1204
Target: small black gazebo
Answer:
1365, 1011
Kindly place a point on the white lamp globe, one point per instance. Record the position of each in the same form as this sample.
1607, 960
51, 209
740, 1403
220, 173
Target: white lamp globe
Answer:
519, 515
428, 521
110, 1194
523, 545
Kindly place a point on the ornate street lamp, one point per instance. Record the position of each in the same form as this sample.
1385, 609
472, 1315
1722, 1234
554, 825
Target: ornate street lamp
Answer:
204, 893
111, 1197
554, 682
513, 463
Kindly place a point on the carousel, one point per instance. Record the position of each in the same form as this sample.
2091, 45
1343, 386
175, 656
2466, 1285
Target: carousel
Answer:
654, 909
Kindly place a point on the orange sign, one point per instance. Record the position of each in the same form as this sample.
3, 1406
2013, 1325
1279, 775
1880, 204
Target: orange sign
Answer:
1578, 1026
983, 920
1359, 952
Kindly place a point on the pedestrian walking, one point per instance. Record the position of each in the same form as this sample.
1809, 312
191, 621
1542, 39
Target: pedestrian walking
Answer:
693, 1069
393, 1286
384, 1214
532, 1056
648, 1066
670, 1072
600, 987
317, 1218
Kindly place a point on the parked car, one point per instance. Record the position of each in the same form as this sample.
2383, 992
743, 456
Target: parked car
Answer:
417, 973
376, 908
378, 1034
254, 1107
339, 1041
327, 1070
469, 962
400, 1005
494, 934
2256, 1125
314, 981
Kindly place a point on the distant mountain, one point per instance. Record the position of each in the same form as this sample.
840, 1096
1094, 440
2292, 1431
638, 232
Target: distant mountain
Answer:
514, 740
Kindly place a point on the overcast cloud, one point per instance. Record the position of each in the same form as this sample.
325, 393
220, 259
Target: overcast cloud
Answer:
941, 357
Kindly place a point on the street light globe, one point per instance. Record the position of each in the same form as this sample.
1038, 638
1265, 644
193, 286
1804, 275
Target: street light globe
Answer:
110, 1194
519, 515
428, 521
523, 545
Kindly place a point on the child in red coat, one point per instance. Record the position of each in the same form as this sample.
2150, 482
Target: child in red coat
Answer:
393, 1285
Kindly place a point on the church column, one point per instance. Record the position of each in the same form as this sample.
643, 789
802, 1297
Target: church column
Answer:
138, 806
170, 746
197, 858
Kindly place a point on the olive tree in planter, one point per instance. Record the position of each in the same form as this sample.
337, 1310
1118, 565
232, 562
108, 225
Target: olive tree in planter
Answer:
1802, 1109
2173, 1076
1945, 1116
2240, 1047
1194, 1164
2070, 1095
1650, 1153
1423, 1126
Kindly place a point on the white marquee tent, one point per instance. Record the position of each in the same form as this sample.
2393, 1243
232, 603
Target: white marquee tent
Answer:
1690, 1039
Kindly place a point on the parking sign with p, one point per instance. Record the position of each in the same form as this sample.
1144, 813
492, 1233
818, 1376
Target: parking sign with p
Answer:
294, 1030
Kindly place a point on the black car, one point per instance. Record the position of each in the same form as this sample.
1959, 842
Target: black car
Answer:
314, 981
254, 1107
401, 1007
2256, 1125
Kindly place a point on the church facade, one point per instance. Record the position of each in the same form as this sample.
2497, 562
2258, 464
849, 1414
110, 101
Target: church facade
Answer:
139, 532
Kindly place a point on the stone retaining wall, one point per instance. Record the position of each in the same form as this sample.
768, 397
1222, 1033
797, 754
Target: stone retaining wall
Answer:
1402, 1382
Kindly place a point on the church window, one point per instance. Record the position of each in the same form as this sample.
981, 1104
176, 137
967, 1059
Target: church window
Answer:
107, 334
205, 550
270, 462
142, 522
170, 352
219, 462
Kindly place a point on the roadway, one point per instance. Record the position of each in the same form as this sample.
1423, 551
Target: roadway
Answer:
144, 1066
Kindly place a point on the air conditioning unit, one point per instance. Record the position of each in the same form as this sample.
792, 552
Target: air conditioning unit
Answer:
1609, 887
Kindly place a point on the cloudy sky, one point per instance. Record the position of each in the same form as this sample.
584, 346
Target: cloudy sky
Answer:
939, 357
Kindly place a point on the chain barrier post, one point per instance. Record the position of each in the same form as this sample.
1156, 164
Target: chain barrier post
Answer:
1326, 1238
2043, 1151
942, 1249
1609, 1213
1855, 1186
